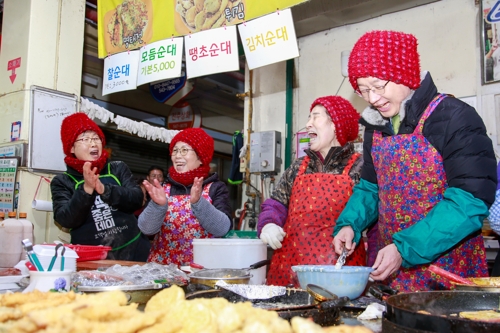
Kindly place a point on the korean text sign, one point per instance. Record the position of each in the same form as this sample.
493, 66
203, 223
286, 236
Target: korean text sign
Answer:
160, 60
120, 72
269, 39
211, 51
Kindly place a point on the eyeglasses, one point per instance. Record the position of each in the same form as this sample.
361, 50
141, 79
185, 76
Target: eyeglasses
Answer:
156, 176
87, 140
379, 90
183, 151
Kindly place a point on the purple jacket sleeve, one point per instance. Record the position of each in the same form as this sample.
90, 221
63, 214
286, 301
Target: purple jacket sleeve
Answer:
273, 211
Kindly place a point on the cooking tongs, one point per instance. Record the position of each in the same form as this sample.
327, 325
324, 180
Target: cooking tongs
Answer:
28, 247
55, 257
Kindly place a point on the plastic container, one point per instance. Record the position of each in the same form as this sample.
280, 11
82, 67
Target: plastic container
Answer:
27, 230
241, 234
12, 232
46, 252
90, 252
231, 253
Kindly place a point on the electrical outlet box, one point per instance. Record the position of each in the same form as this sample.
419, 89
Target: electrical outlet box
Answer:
243, 164
265, 152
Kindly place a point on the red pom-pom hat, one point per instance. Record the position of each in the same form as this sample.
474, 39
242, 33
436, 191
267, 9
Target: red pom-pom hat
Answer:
344, 116
386, 55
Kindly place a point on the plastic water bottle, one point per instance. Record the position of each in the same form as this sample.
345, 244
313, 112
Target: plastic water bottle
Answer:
11, 235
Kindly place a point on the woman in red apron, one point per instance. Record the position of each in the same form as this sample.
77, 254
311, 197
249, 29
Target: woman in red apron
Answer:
429, 173
297, 220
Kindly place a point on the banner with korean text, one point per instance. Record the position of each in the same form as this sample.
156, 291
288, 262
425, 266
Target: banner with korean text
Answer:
120, 72
160, 60
269, 39
211, 51
129, 24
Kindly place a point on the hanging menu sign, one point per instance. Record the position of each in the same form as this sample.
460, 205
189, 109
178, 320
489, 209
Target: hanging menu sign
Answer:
160, 61
8, 169
269, 39
212, 51
120, 72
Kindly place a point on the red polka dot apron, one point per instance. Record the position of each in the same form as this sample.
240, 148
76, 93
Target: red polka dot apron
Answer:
173, 244
315, 204
411, 180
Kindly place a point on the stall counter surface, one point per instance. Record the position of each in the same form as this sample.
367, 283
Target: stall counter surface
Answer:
103, 264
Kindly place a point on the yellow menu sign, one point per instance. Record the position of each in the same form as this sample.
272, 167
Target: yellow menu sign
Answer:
129, 24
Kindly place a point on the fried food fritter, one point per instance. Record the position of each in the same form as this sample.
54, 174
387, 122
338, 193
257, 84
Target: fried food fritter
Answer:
201, 15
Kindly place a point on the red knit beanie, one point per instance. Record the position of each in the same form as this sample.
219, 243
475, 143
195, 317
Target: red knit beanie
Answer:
199, 140
74, 125
386, 55
344, 116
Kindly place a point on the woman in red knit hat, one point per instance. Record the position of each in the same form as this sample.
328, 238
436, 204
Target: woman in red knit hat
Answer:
297, 220
429, 171
96, 198
193, 203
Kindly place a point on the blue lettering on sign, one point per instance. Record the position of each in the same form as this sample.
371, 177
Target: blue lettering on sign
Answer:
494, 14
162, 91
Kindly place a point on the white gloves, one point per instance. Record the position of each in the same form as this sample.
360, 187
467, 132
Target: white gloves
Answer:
272, 234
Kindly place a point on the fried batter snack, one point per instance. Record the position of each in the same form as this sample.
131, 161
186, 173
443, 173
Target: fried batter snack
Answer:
129, 19
166, 312
201, 15
165, 299
483, 315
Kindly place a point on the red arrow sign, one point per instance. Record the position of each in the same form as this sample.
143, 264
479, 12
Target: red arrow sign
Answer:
11, 66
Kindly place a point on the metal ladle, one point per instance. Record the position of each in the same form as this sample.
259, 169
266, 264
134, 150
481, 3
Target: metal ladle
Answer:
320, 294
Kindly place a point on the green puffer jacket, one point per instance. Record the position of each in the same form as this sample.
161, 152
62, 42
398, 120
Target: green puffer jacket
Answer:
470, 171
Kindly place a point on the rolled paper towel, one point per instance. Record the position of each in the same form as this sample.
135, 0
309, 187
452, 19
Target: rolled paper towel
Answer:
43, 205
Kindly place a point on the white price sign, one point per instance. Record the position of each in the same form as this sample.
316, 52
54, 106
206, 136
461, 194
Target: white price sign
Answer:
269, 39
212, 51
160, 60
120, 72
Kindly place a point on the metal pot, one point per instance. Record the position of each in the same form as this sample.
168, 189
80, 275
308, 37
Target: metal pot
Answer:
210, 277
295, 302
135, 294
437, 311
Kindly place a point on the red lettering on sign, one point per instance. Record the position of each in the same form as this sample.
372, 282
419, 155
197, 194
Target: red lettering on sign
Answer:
11, 66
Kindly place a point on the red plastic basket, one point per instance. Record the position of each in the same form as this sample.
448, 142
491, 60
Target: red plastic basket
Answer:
89, 252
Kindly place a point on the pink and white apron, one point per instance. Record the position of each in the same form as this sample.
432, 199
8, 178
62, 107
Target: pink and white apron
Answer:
173, 243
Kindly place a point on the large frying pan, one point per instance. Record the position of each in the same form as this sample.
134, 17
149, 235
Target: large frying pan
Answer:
295, 303
437, 311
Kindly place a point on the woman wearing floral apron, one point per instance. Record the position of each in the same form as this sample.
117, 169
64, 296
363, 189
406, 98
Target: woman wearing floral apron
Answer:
429, 175
298, 218
192, 204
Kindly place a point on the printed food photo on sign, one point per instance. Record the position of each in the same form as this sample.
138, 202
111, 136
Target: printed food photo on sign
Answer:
129, 25
198, 15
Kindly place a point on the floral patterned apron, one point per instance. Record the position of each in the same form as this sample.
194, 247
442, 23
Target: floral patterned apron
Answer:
315, 204
173, 244
412, 180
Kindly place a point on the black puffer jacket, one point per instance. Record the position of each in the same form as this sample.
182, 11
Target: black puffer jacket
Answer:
468, 156
102, 220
